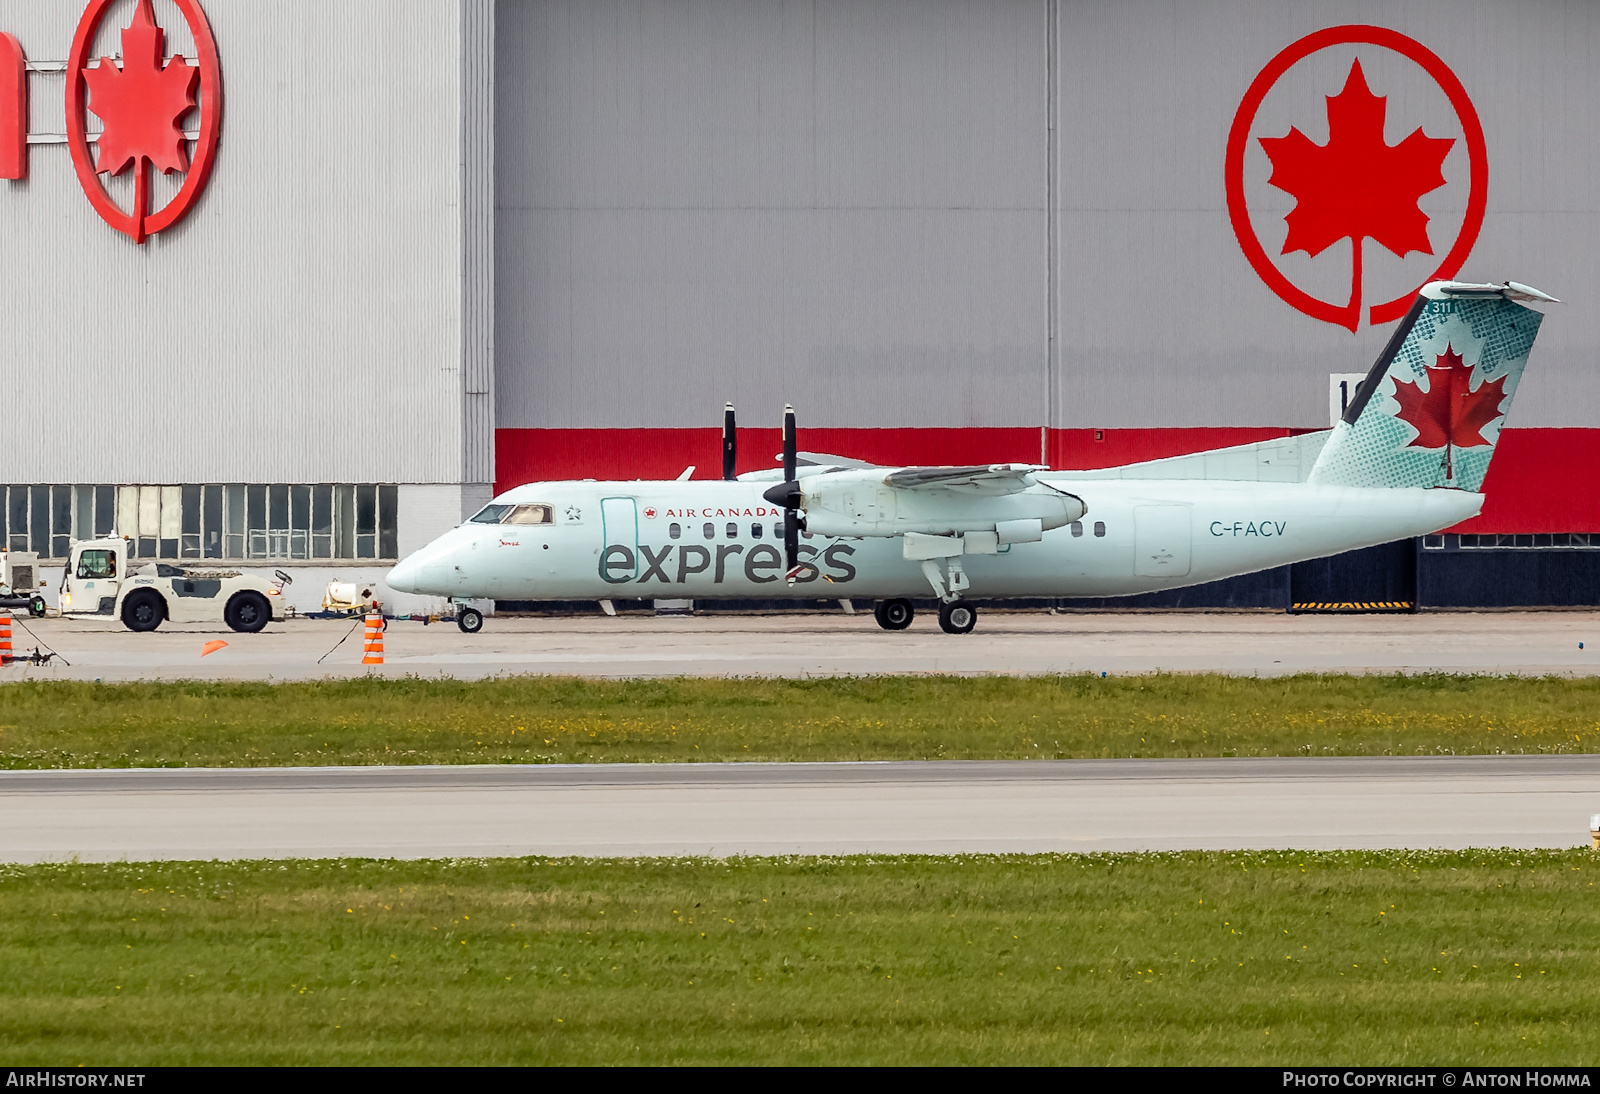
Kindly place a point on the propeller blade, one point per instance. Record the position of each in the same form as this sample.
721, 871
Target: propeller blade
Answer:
791, 498
791, 544
789, 445
730, 443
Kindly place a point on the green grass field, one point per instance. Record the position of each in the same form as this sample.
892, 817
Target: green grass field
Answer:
562, 720
1377, 958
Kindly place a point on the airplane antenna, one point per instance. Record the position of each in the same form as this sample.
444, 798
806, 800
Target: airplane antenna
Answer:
730, 443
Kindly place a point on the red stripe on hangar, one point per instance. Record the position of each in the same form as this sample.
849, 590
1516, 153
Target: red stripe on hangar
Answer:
1536, 482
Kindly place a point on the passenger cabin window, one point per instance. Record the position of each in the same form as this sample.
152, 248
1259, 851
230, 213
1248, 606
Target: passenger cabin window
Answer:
777, 531
674, 530
97, 564
755, 531
1100, 528
1077, 527
710, 530
733, 531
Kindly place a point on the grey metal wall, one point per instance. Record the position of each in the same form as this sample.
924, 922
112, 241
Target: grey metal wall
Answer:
969, 212
309, 321
838, 203
1163, 321
477, 240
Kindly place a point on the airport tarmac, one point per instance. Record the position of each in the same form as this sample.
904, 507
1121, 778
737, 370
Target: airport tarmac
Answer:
816, 644
940, 807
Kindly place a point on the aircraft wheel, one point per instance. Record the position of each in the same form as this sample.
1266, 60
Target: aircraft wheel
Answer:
893, 615
143, 611
957, 618
470, 620
247, 612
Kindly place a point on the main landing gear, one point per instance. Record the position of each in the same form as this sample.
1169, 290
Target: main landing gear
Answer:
955, 617
894, 615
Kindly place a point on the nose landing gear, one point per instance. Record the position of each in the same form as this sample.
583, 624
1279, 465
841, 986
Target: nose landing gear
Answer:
470, 620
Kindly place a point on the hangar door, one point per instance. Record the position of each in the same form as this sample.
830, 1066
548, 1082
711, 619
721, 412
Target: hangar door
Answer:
1160, 540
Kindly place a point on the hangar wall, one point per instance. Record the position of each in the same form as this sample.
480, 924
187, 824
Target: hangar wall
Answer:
1165, 324
325, 312
839, 204
954, 224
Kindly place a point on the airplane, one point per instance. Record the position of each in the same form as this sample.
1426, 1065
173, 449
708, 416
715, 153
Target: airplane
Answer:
1407, 458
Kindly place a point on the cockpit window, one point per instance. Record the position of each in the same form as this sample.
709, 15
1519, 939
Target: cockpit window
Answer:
529, 514
515, 514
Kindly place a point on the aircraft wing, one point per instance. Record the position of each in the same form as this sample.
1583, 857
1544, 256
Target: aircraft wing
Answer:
985, 479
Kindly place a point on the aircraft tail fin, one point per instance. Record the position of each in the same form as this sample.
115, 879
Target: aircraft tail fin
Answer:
1429, 413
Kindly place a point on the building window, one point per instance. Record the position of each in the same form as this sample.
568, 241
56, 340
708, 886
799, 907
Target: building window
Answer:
235, 521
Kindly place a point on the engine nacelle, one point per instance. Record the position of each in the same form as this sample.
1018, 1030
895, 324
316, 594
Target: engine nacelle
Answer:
860, 503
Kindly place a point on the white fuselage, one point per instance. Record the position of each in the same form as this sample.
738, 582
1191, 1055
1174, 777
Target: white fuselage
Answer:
615, 540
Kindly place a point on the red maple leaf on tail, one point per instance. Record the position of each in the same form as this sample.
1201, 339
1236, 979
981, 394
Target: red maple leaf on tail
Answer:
1449, 414
141, 105
1356, 186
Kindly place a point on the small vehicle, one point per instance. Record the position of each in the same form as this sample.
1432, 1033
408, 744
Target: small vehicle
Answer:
102, 579
19, 578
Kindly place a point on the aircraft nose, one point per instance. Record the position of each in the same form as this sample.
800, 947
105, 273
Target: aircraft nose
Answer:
403, 578
423, 572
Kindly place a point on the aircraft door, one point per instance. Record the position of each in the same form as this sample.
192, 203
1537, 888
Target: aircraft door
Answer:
1160, 540
619, 520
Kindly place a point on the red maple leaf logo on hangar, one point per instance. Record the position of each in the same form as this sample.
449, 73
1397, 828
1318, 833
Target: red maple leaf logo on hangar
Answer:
1357, 186
1449, 414
144, 100
141, 104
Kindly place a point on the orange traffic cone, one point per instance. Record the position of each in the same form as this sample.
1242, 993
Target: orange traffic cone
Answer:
5, 639
373, 652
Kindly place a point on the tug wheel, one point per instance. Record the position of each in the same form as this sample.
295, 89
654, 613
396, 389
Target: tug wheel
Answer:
247, 612
143, 611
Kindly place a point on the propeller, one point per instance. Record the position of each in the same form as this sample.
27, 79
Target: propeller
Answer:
730, 443
787, 494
